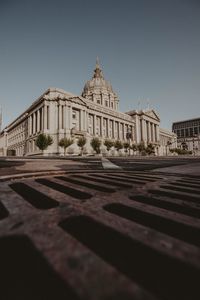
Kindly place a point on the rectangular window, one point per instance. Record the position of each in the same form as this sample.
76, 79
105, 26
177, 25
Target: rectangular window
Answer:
73, 114
195, 130
191, 132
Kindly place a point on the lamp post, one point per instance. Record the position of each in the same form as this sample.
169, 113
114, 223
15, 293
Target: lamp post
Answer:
168, 144
128, 137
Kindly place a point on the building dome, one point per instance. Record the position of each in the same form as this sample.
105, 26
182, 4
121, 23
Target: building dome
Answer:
100, 90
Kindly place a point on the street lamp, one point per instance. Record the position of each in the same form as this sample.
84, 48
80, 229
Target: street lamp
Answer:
128, 137
168, 144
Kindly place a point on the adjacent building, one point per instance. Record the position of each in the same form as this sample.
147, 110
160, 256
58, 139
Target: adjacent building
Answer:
188, 134
93, 114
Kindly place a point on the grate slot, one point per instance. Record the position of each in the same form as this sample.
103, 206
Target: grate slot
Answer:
186, 210
25, 274
34, 197
87, 184
180, 189
3, 212
171, 278
173, 228
121, 179
139, 177
129, 178
174, 195
64, 189
190, 181
106, 181
197, 187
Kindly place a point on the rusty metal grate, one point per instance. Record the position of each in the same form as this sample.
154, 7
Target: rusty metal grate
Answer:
100, 235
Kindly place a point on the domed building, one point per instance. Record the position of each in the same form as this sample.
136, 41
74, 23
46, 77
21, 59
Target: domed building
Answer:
93, 114
99, 90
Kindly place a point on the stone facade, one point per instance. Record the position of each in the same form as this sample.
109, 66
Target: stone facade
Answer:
93, 114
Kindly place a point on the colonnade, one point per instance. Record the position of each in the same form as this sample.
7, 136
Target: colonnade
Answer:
108, 128
149, 131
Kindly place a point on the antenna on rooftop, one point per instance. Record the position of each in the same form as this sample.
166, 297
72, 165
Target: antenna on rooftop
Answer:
139, 104
148, 104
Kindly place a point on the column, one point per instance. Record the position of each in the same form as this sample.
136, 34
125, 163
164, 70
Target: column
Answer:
143, 135
123, 131
59, 116
153, 133
33, 123
118, 131
107, 133
94, 125
70, 117
38, 120
86, 121
30, 124
45, 117
157, 133
81, 120
101, 121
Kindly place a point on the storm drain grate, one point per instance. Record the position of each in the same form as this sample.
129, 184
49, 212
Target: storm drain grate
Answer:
87, 184
64, 189
106, 181
25, 273
173, 228
184, 197
135, 260
131, 239
123, 176
180, 189
168, 205
121, 179
3, 212
34, 197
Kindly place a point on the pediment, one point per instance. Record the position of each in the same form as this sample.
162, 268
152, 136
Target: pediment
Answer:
78, 100
152, 114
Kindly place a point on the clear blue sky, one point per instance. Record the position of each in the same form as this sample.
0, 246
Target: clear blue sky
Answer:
147, 49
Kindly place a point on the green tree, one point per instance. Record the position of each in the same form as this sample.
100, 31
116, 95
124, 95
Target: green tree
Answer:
118, 145
81, 143
96, 143
65, 143
109, 144
150, 149
43, 141
126, 146
134, 147
141, 148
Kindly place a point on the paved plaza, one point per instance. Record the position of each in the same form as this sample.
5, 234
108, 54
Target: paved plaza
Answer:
100, 228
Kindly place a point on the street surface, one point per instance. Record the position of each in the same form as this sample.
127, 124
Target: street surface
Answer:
100, 228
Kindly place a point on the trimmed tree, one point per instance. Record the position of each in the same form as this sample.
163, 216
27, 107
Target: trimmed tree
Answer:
109, 144
134, 147
96, 143
150, 149
43, 141
126, 146
81, 143
65, 143
141, 148
118, 145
